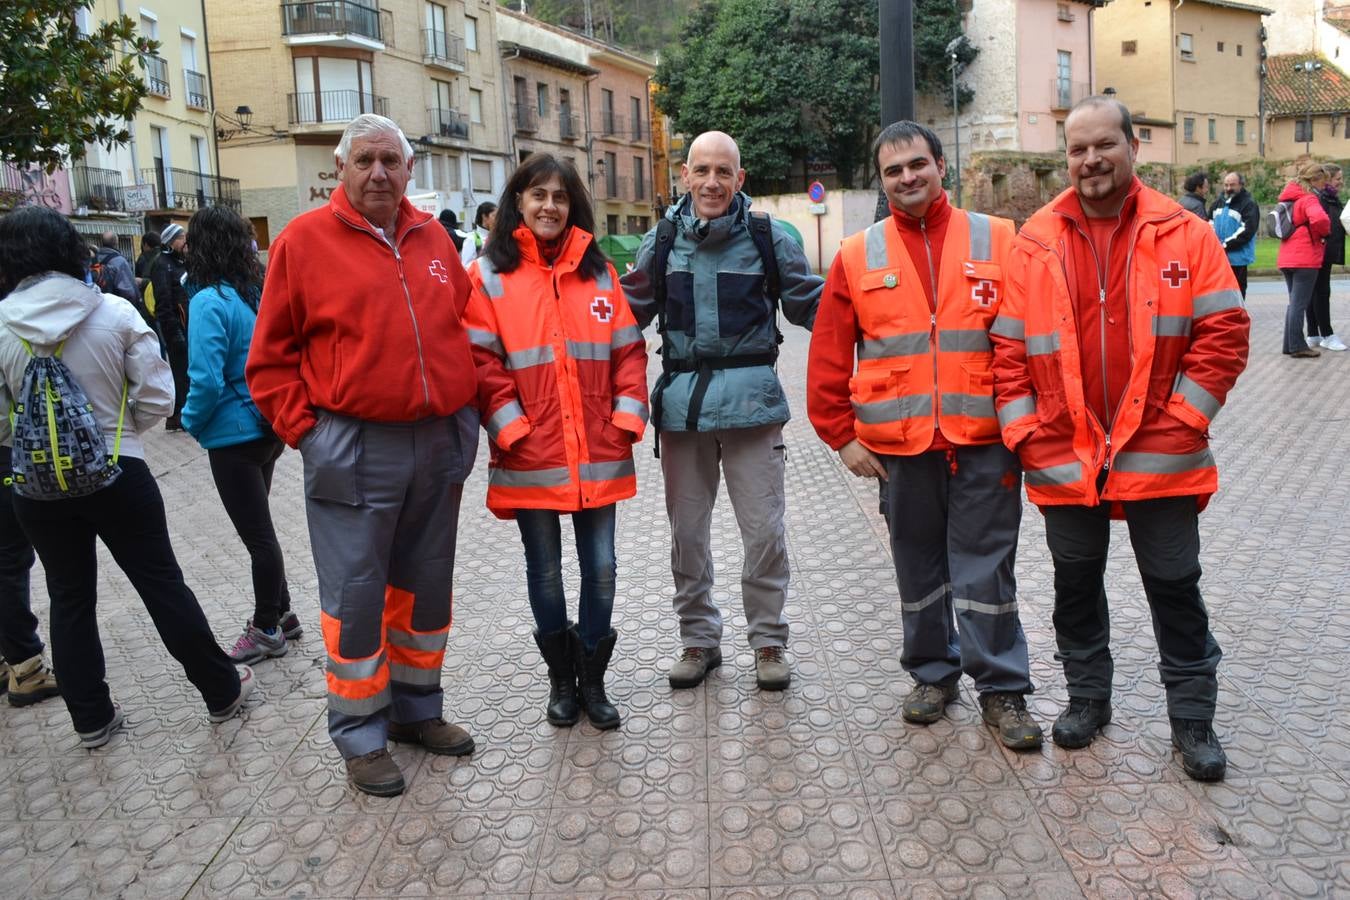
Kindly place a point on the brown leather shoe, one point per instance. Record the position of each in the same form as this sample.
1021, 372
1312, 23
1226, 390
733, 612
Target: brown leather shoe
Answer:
376, 774
435, 735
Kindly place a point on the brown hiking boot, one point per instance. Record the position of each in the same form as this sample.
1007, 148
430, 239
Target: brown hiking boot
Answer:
31, 682
926, 703
435, 735
772, 672
376, 774
1007, 713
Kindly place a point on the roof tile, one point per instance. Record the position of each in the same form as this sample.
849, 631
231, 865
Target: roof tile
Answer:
1291, 91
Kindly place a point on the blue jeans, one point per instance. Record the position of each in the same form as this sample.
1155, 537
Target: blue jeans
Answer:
541, 533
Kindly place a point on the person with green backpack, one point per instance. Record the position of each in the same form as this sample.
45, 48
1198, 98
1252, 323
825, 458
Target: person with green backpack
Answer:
82, 373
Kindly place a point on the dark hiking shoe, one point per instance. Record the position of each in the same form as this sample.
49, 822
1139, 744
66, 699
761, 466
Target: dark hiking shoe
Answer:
435, 735
926, 702
92, 740
1079, 723
4, 677
376, 774
694, 665
1201, 756
1007, 713
772, 672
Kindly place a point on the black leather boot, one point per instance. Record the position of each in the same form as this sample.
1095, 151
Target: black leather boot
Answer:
563, 706
591, 679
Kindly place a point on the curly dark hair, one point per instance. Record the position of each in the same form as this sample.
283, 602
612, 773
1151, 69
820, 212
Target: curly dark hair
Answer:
35, 240
537, 168
220, 250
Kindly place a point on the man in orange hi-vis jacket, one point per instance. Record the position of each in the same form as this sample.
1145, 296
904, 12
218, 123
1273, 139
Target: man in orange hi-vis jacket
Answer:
1122, 333
360, 360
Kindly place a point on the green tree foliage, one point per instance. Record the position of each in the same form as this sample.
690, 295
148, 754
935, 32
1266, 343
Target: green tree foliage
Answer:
936, 24
60, 89
643, 25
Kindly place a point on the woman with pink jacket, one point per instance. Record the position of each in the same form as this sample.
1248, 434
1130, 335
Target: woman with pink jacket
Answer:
1301, 254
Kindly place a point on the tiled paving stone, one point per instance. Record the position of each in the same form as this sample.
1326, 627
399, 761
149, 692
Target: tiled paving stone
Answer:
509, 776
900, 758
142, 858
1053, 886
1307, 876
297, 856
953, 835
59, 788
795, 842
614, 770
313, 782
219, 784
493, 852
853, 890
29, 849
624, 849
1275, 817
795, 764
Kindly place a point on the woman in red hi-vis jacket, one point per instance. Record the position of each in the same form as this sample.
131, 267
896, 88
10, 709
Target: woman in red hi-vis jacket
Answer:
562, 369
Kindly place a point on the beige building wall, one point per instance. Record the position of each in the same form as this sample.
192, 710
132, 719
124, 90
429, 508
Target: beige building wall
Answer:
436, 76
1329, 138
1141, 74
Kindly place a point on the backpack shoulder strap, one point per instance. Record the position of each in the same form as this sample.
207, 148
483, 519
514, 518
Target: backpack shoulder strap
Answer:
665, 240
761, 232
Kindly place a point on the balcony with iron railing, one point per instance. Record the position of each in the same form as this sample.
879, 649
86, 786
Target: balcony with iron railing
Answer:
569, 128
1065, 93
157, 76
185, 189
640, 188
443, 49
611, 123
333, 107
640, 133
525, 116
338, 23
612, 187
195, 82
96, 189
448, 124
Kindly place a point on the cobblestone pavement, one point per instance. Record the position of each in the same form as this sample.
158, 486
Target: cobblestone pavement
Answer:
724, 791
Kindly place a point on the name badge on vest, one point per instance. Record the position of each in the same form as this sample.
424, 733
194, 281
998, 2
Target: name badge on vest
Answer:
890, 281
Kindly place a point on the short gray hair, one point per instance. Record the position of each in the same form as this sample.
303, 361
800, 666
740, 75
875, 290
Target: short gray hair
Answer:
367, 125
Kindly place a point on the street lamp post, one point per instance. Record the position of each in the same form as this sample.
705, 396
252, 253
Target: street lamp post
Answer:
1309, 66
956, 125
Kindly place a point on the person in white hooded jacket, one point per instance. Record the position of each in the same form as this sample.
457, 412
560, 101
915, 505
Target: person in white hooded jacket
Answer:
105, 344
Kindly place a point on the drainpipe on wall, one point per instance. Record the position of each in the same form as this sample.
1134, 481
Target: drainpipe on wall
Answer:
211, 86
506, 119
131, 144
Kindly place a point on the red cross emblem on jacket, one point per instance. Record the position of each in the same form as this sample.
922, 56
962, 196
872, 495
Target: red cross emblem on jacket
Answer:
1175, 274
438, 270
601, 309
984, 293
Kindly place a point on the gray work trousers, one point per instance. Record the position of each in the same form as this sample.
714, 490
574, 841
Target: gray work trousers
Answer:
753, 461
382, 501
954, 542
1165, 534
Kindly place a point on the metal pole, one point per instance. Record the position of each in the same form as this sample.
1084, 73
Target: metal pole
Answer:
956, 125
1307, 144
895, 29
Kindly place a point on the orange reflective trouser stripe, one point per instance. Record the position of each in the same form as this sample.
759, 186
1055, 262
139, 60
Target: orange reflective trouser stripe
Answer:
415, 657
357, 687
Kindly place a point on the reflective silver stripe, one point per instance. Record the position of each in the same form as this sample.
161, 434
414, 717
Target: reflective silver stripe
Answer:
411, 640
875, 240
492, 282
1171, 326
921, 605
981, 239
358, 670
893, 410
964, 340
1065, 474
1163, 463
1198, 397
976, 406
531, 356
622, 337
363, 706
1016, 409
989, 609
1007, 327
503, 417
606, 471
603, 282
588, 350
487, 340
1042, 344
1218, 301
632, 406
911, 344
530, 478
413, 675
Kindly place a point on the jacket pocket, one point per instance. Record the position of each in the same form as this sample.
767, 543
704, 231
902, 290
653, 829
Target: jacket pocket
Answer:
875, 395
331, 451
978, 404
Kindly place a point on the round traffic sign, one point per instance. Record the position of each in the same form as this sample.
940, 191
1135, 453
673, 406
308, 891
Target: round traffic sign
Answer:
816, 192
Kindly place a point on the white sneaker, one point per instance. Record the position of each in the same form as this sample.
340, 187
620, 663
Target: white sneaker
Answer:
1331, 342
1314, 341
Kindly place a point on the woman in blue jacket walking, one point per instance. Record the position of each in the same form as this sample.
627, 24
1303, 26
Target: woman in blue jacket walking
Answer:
220, 414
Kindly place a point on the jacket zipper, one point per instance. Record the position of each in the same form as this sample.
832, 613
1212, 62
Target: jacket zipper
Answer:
932, 324
407, 297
